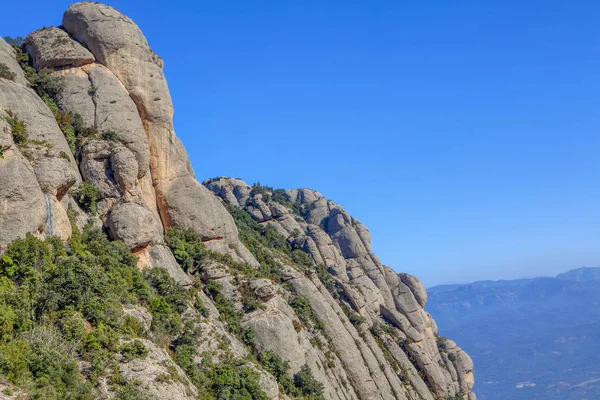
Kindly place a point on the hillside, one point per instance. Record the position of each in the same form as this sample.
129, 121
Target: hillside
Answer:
529, 338
123, 277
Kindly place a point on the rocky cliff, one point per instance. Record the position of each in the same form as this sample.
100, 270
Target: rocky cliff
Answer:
284, 287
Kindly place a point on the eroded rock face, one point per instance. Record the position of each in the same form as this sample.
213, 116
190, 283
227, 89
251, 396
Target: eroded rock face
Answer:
118, 44
31, 203
135, 225
365, 334
53, 48
22, 208
342, 245
148, 371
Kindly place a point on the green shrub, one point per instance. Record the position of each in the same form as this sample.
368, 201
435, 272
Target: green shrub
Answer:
355, 318
308, 385
280, 370
200, 307
6, 73
303, 310
13, 361
17, 128
110, 135
165, 286
229, 314
441, 343
86, 196
164, 319
131, 392
219, 381
227, 381
133, 350
187, 247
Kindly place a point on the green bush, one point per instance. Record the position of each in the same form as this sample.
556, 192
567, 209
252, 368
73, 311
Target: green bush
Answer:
308, 385
219, 381
280, 370
17, 128
187, 247
164, 318
46, 289
86, 196
6, 73
133, 350
131, 392
303, 310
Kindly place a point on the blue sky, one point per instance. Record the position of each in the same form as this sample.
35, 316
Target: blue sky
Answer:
463, 134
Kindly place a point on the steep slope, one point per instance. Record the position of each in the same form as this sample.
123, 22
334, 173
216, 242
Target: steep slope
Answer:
530, 338
299, 307
359, 284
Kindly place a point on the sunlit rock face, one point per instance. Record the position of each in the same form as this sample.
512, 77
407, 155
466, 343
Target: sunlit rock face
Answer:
321, 299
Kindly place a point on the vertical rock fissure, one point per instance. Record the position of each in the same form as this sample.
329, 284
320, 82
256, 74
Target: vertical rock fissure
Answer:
49, 214
92, 93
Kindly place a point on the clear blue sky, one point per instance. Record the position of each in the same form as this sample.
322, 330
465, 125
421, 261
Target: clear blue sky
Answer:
464, 134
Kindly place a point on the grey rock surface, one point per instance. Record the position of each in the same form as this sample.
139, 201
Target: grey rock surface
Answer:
53, 48
117, 43
319, 298
134, 224
333, 238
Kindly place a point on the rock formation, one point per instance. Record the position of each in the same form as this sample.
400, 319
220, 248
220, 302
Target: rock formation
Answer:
366, 336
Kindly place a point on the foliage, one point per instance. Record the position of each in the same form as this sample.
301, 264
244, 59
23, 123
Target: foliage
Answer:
17, 128
131, 392
227, 381
280, 370
441, 343
260, 241
187, 247
86, 196
355, 318
219, 381
227, 310
6, 73
132, 350
301, 305
308, 385
49, 291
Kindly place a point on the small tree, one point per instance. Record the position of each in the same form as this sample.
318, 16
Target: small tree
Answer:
6, 73
86, 196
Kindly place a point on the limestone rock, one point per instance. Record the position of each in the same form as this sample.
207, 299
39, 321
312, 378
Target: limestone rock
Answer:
22, 203
263, 288
134, 224
161, 257
333, 238
416, 286
52, 48
8, 58
149, 371
140, 314
118, 44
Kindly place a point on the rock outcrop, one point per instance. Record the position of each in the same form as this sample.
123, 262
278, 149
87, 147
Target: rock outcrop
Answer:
99, 147
341, 244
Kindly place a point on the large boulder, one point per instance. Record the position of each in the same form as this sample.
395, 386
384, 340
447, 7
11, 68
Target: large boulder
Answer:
134, 224
52, 48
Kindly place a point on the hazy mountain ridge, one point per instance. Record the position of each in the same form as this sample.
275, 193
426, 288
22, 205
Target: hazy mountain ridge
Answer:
542, 331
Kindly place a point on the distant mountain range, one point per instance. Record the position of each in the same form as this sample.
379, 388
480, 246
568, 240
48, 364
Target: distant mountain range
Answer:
529, 338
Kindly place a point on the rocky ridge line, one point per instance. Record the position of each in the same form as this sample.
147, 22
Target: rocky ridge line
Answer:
145, 185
